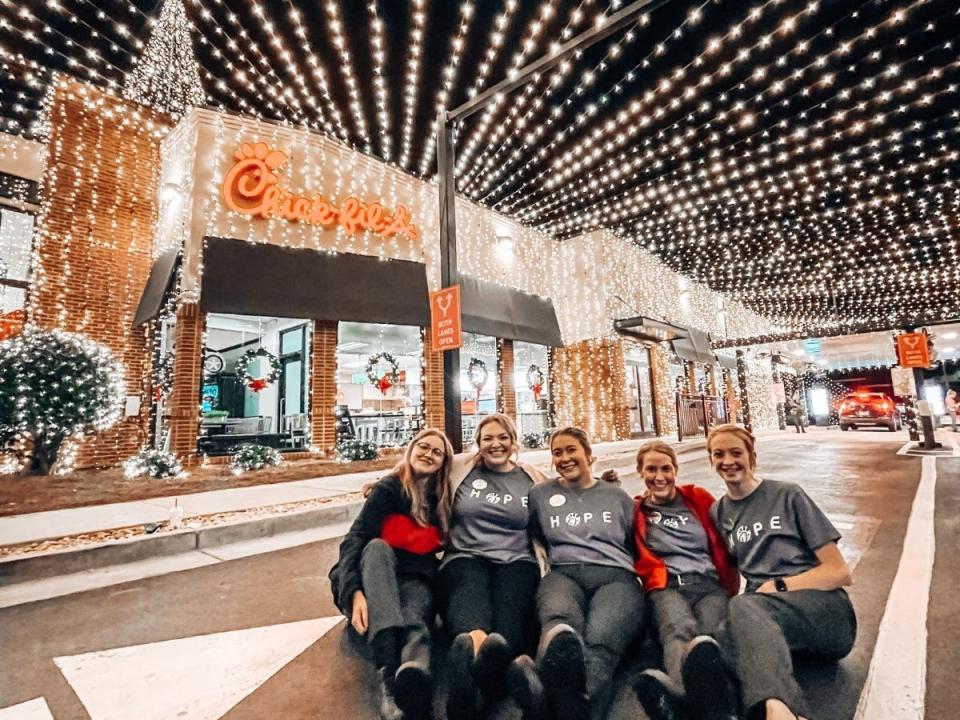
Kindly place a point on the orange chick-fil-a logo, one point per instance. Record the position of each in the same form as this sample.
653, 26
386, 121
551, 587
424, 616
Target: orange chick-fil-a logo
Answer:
252, 188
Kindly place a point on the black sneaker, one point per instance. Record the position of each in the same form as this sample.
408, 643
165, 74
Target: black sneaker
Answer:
709, 688
526, 689
413, 690
461, 688
387, 705
490, 667
660, 696
561, 670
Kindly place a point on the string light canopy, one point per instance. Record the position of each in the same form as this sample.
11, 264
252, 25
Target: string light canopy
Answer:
800, 156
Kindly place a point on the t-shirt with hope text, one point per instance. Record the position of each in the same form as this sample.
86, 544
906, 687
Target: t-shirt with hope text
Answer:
675, 535
591, 526
490, 517
774, 531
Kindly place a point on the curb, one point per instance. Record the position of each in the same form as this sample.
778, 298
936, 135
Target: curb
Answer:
128, 550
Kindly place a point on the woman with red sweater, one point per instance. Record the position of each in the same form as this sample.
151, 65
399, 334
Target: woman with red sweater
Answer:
687, 574
384, 577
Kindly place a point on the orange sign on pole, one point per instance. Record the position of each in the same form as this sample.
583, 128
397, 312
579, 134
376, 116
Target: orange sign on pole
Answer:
912, 350
445, 318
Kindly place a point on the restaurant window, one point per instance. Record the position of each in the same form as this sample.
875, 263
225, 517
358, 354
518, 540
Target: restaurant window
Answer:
255, 383
16, 241
532, 382
379, 382
478, 381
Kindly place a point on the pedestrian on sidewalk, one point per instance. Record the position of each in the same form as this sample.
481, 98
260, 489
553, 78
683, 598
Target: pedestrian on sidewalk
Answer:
953, 405
786, 549
383, 580
590, 604
489, 573
795, 413
686, 571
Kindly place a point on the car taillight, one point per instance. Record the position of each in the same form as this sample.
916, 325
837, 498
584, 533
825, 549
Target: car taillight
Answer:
845, 406
885, 406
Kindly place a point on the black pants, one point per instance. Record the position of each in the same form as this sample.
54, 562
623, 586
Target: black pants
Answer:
681, 613
764, 629
394, 601
493, 597
604, 604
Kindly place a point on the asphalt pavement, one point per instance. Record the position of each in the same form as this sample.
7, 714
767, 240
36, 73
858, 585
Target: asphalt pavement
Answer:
259, 637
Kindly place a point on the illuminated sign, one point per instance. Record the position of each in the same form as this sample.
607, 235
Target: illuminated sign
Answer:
445, 318
912, 350
252, 188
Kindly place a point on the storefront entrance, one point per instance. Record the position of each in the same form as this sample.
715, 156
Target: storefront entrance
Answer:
640, 391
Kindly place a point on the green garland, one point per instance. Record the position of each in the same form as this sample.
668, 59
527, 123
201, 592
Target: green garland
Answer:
478, 374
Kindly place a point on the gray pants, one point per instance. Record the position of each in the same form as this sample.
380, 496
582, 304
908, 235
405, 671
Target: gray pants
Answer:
393, 600
681, 613
764, 629
603, 604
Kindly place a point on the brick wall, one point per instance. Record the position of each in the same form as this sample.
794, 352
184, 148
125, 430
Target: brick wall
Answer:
432, 384
506, 387
94, 241
663, 393
589, 388
323, 385
183, 406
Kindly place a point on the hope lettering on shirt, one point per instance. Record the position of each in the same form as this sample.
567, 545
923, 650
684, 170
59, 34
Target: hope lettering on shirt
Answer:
670, 521
747, 533
575, 519
492, 498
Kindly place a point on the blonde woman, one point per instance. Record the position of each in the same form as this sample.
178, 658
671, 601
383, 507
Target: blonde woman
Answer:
383, 581
489, 575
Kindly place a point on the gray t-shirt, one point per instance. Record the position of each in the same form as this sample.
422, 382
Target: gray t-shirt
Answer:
490, 517
592, 526
675, 535
774, 531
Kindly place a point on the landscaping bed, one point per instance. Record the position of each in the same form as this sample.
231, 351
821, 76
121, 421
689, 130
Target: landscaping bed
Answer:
21, 494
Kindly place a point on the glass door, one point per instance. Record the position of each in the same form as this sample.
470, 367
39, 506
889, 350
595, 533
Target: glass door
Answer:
640, 392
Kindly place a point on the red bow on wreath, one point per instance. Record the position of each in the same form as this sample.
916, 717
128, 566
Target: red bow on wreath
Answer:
257, 384
384, 384
537, 389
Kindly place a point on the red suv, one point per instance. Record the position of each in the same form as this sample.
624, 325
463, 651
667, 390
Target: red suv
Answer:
868, 408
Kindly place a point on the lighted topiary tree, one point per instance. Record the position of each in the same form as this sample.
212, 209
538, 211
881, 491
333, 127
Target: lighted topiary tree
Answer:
54, 385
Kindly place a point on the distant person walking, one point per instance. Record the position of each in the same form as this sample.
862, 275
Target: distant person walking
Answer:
795, 413
953, 405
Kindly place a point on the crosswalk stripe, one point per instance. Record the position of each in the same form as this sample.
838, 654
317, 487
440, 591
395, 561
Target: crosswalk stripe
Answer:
896, 682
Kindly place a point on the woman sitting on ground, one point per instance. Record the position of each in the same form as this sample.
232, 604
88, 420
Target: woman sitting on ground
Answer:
686, 571
590, 605
489, 575
383, 579
786, 549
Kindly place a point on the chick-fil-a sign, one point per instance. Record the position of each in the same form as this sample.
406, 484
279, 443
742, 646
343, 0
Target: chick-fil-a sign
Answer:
251, 188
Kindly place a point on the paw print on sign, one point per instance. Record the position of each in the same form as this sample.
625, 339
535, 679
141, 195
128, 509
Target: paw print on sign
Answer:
246, 184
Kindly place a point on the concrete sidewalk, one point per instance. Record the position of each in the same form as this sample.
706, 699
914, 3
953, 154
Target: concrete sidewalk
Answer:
35, 527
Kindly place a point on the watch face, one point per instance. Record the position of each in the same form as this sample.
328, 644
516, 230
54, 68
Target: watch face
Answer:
212, 364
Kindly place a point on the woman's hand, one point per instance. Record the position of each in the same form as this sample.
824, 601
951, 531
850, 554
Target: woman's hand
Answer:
359, 619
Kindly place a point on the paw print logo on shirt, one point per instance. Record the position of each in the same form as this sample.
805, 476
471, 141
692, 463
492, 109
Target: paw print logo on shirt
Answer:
655, 518
743, 533
493, 498
572, 519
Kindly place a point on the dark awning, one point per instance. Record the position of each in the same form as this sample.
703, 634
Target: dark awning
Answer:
158, 285
727, 361
499, 311
648, 329
695, 347
259, 279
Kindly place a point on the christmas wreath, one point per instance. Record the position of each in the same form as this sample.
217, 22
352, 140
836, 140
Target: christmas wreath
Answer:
258, 383
388, 379
535, 380
478, 375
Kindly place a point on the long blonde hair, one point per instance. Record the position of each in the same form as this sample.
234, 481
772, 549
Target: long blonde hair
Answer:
437, 484
506, 422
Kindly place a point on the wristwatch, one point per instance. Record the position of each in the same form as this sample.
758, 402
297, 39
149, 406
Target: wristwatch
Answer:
780, 584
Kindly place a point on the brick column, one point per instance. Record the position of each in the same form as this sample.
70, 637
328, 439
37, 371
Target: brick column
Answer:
432, 383
589, 388
323, 385
94, 241
664, 394
506, 387
183, 406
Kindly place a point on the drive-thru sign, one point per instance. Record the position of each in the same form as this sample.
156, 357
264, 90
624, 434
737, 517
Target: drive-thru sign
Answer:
912, 350
445, 318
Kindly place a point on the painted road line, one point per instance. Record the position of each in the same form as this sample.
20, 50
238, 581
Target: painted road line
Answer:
906, 446
35, 709
896, 682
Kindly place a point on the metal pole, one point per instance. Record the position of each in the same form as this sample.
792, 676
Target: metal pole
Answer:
449, 275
